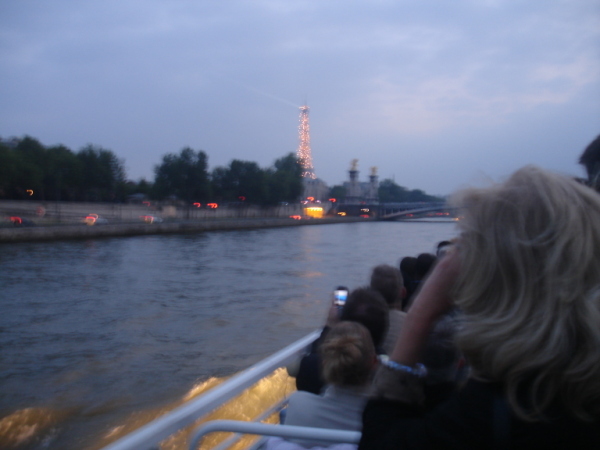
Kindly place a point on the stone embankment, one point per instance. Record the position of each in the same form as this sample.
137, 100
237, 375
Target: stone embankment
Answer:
64, 220
80, 231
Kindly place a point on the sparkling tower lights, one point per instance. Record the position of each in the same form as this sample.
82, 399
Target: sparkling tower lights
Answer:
304, 152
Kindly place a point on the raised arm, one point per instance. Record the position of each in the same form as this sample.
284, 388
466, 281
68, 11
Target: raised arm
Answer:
432, 301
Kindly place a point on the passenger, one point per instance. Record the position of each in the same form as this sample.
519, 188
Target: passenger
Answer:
407, 269
368, 307
365, 306
348, 359
387, 280
525, 273
441, 355
590, 159
442, 248
423, 266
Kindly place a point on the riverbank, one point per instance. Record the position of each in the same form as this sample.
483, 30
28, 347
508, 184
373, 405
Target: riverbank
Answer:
80, 231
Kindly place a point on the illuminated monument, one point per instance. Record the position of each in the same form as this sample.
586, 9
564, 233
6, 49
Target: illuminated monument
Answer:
313, 187
304, 152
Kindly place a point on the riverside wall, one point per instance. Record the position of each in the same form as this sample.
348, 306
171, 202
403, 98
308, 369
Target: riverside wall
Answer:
49, 213
61, 232
58, 221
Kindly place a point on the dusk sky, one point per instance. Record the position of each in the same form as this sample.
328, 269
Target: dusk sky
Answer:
435, 93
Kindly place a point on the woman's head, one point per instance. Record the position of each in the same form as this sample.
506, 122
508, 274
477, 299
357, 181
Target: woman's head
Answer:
530, 289
347, 355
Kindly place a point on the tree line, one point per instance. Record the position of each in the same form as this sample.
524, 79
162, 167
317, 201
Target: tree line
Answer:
29, 169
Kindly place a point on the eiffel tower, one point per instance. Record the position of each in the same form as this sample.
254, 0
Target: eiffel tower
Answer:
304, 152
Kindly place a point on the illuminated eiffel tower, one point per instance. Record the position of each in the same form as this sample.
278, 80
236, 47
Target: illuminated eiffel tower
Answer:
304, 152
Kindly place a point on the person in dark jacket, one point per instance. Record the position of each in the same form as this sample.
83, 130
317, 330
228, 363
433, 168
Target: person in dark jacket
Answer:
525, 274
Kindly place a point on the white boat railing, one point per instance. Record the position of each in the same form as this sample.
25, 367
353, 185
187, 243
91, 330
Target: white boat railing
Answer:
284, 431
227, 443
150, 435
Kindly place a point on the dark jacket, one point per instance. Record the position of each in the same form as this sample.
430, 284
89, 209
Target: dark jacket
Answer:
476, 417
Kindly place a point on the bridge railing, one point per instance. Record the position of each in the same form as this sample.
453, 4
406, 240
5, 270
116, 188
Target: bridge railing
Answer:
395, 211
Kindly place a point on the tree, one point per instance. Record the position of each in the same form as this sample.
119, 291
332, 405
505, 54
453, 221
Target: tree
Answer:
241, 179
29, 169
390, 192
8, 169
63, 174
284, 182
29, 176
184, 175
103, 174
338, 192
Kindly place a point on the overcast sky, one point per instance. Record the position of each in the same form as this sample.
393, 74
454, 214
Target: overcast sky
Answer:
434, 93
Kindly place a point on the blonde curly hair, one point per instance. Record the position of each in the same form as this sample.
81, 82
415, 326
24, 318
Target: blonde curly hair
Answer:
530, 291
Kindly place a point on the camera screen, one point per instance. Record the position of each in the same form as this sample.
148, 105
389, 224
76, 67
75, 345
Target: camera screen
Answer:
340, 296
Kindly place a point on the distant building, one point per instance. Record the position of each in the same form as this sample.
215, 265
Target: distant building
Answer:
358, 192
315, 188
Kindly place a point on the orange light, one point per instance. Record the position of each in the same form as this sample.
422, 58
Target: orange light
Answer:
197, 205
30, 192
310, 199
212, 205
341, 214
332, 200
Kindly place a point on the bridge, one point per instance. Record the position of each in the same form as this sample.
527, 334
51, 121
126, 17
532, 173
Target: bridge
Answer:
396, 211
412, 211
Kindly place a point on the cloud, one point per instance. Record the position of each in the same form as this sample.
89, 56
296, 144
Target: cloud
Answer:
148, 77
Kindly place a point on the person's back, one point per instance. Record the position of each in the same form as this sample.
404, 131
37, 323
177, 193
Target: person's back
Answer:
348, 357
396, 321
387, 280
337, 408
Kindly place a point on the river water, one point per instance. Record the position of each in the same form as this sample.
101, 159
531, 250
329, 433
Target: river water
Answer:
96, 332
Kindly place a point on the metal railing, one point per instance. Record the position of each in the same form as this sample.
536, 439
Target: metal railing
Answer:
150, 435
284, 431
227, 443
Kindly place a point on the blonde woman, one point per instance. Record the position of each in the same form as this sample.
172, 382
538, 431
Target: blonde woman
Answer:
525, 272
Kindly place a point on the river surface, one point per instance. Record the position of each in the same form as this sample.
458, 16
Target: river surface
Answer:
95, 332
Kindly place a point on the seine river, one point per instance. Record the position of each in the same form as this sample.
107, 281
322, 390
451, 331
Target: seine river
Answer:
96, 333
